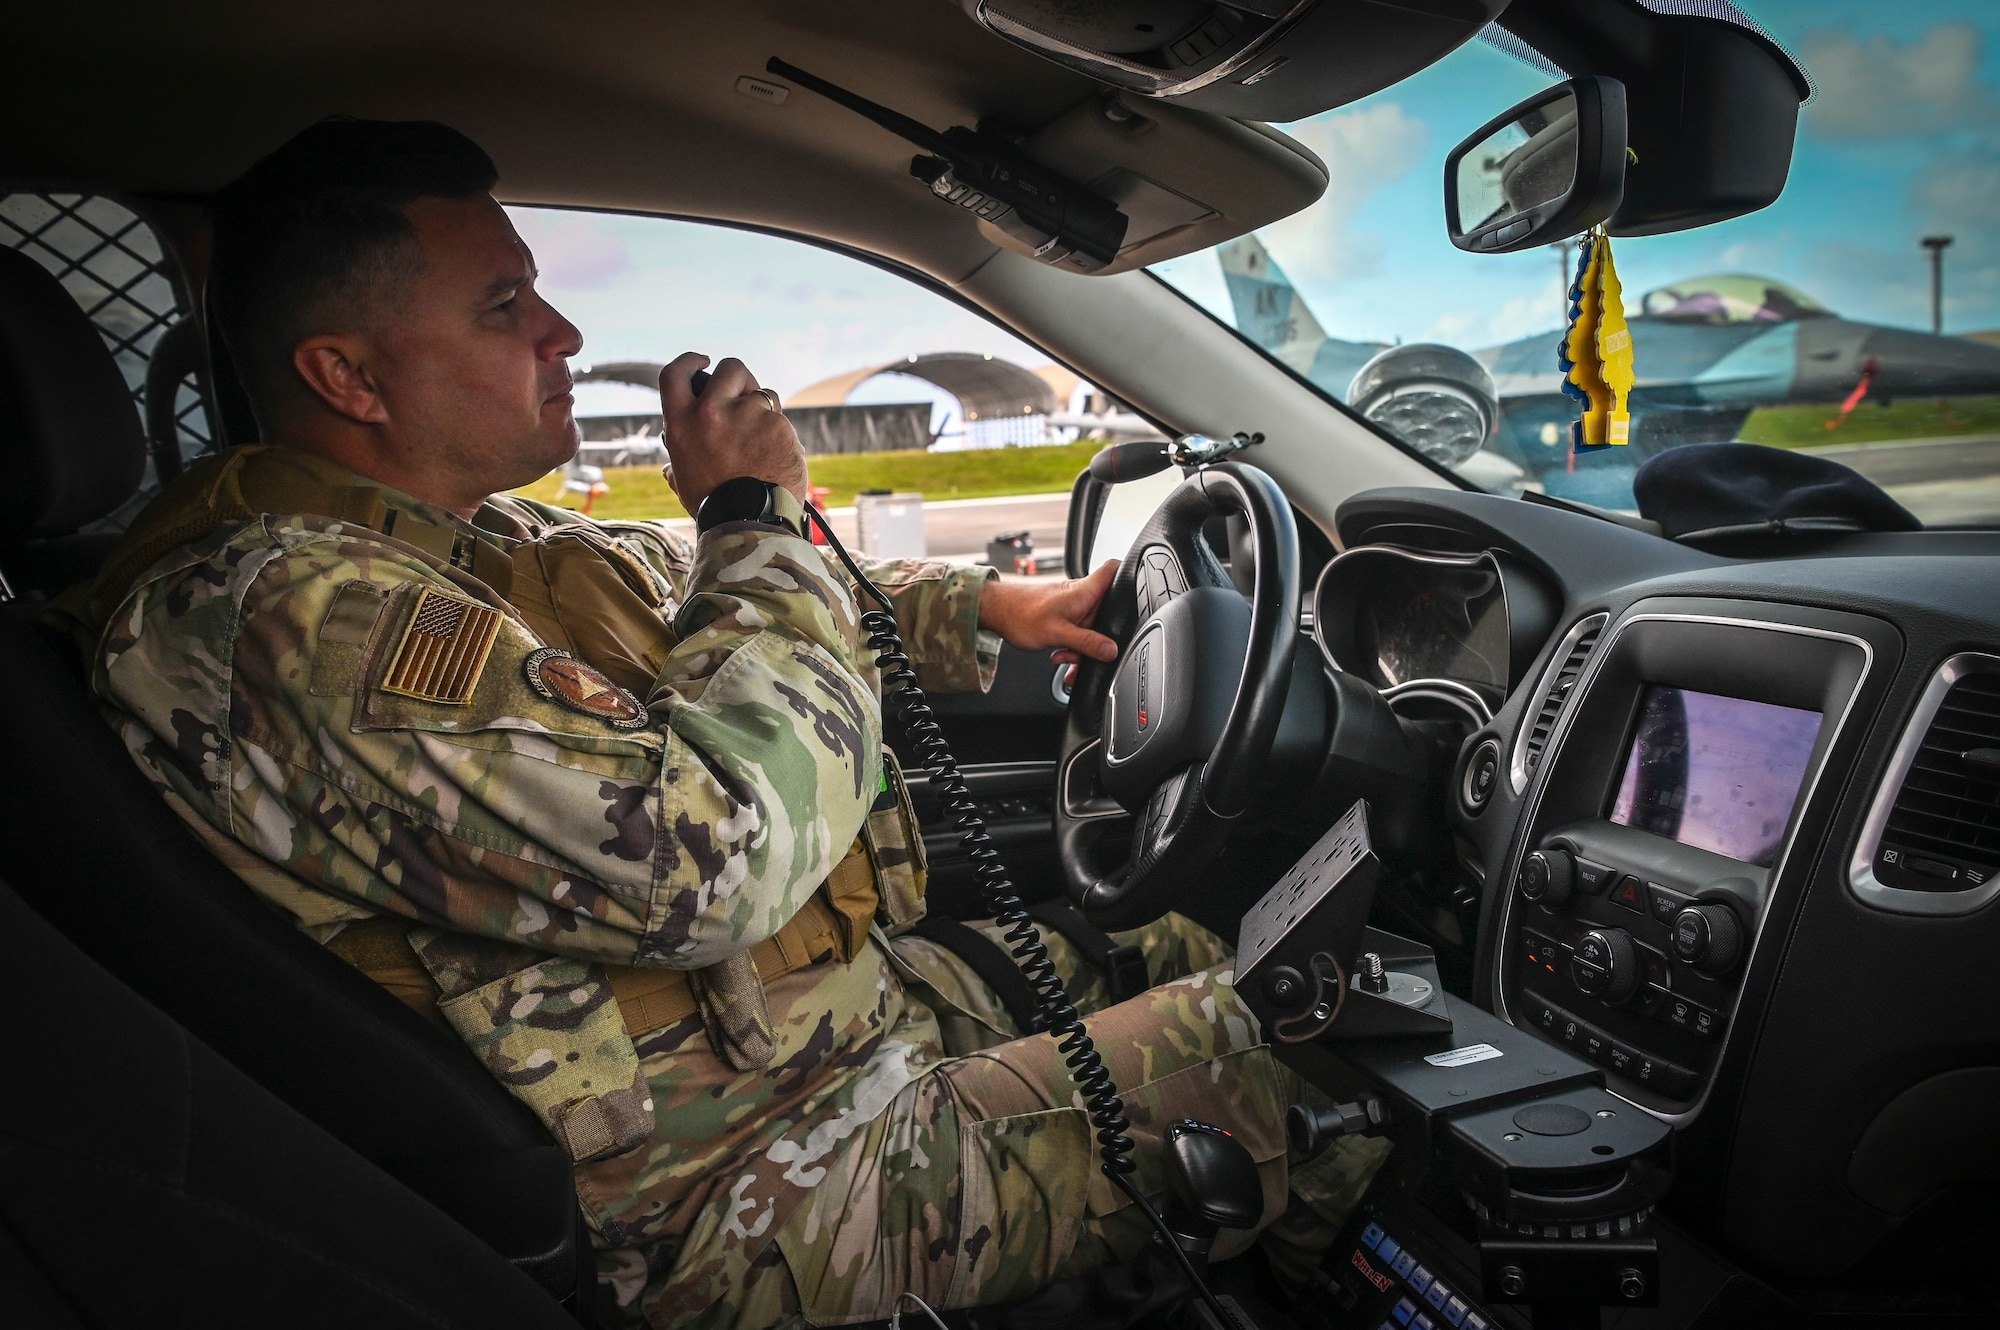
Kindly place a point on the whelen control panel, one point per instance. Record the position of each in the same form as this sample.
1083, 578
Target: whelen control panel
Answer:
1386, 1284
1667, 798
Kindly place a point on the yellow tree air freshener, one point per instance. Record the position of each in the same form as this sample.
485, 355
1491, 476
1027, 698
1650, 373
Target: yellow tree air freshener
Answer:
1595, 354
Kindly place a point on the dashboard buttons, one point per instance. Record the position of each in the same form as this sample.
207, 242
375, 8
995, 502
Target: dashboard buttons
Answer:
1669, 1078
1630, 893
1539, 952
1592, 879
1605, 964
1538, 1013
1663, 904
1692, 1017
1707, 937
1652, 968
1482, 773
1547, 876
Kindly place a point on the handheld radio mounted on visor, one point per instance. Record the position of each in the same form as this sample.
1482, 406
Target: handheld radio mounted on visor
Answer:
1060, 221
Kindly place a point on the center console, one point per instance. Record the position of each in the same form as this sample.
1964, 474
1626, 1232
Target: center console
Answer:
1662, 810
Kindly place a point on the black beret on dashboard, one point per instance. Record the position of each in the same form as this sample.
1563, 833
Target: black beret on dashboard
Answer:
1703, 491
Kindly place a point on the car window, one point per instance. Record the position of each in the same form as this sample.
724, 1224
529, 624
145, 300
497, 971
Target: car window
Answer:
112, 262
891, 386
1807, 325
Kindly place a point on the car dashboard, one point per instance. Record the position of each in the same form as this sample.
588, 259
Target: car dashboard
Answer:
1731, 824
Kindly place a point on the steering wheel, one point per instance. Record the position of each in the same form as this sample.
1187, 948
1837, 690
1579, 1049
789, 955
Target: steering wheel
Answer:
1177, 731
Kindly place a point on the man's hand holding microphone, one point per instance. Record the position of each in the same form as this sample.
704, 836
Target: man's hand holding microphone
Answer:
730, 426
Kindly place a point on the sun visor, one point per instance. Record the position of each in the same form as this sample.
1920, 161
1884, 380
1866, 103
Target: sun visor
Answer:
1279, 60
1186, 180
1113, 183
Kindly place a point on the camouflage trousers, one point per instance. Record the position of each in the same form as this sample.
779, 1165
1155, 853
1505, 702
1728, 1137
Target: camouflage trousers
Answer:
978, 1183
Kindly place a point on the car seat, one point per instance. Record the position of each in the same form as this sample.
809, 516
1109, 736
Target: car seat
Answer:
145, 1181
92, 847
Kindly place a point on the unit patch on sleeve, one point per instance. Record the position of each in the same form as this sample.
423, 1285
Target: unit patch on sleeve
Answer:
564, 679
444, 648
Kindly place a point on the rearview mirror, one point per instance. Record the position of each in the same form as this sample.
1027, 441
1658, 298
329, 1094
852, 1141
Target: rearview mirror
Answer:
1551, 168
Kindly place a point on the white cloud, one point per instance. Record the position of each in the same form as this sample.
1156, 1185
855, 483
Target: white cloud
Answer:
1879, 88
1961, 189
1363, 150
648, 288
573, 250
1542, 312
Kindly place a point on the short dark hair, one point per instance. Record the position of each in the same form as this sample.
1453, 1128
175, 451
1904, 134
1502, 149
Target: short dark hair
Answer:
307, 232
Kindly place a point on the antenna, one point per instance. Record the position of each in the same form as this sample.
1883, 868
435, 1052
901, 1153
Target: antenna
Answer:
902, 126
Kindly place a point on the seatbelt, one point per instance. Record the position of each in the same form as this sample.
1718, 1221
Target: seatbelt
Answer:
1122, 964
990, 961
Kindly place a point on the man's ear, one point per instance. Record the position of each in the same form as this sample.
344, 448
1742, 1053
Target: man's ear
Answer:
336, 368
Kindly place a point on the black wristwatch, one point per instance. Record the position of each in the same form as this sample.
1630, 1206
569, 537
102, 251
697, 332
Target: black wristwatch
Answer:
748, 499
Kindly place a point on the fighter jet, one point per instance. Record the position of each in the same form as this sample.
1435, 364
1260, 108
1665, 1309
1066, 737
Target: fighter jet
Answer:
1708, 352
1271, 313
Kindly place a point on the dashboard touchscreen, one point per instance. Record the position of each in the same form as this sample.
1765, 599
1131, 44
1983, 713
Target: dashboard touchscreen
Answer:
1718, 773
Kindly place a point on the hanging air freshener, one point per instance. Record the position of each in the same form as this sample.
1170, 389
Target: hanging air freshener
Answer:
1595, 354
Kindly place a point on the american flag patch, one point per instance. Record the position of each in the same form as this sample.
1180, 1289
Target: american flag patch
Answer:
444, 648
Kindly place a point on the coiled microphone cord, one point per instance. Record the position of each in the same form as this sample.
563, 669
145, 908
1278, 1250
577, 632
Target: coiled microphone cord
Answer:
1059, 1018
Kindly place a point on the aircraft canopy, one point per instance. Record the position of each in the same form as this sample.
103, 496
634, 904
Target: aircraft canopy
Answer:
1731, 298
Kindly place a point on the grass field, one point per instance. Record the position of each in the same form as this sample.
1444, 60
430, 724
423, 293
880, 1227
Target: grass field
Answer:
982, 473
1911, 418
995, 472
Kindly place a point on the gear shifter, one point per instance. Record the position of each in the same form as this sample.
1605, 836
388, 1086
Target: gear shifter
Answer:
1214, 1184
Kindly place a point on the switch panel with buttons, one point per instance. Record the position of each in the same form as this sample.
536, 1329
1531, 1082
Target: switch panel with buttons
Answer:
1379, 1282
1628, 950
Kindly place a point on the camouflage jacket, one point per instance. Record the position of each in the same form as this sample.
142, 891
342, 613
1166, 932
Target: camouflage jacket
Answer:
249, 674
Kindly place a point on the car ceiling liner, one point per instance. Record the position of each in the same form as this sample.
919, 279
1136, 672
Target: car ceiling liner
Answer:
1250, 59
1712, 99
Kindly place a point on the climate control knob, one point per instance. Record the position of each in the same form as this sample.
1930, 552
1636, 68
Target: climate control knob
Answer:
1605, 964
1708, 937
1548, 876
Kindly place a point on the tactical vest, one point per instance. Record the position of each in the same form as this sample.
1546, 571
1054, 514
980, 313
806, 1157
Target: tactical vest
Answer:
577, 588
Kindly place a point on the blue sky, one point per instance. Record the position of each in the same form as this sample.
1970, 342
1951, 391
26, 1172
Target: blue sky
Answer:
1902, 140
644, 288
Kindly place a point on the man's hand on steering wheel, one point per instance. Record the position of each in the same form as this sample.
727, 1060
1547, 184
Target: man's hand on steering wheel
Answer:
1034, 616
1178, 732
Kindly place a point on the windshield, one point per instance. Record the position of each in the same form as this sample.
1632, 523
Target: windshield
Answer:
1811, 324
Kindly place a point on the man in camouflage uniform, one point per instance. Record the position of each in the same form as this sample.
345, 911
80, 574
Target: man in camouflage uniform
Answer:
589, 794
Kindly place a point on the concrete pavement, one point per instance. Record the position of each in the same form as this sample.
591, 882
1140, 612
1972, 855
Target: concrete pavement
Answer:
959, 528
1945, 482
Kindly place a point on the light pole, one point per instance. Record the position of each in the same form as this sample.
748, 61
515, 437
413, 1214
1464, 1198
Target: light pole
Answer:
1937, 245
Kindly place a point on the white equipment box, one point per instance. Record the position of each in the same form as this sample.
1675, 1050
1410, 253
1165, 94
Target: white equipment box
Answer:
891, 525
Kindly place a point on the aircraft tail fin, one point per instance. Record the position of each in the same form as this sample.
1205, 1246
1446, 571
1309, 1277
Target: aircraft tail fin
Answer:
1269, 310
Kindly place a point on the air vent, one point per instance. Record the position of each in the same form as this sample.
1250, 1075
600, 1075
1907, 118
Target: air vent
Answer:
1944, 828
1557, 694
1931, 844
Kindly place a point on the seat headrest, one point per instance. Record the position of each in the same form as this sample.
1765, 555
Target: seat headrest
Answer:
72, 446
